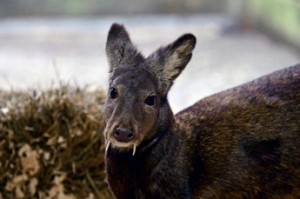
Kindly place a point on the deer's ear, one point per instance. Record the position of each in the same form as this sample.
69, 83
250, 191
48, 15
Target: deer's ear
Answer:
168, 62
120, 51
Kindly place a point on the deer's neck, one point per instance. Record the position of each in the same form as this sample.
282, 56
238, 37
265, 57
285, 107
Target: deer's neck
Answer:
163, 135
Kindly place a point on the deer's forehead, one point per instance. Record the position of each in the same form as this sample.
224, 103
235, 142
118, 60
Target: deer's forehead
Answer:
134, 80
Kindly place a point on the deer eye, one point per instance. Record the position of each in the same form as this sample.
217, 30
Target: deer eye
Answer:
113, 93
150, 100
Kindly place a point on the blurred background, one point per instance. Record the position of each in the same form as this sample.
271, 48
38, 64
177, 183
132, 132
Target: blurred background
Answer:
44, 42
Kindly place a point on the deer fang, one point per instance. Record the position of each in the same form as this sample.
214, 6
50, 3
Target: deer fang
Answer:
134, 149
107, 146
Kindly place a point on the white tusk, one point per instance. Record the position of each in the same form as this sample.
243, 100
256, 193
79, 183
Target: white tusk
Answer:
134, 149
107, 146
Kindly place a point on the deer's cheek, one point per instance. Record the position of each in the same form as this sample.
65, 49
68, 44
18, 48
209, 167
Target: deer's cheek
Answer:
149, 123
107, 113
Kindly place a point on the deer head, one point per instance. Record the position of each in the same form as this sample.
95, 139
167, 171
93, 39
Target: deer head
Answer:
136, 108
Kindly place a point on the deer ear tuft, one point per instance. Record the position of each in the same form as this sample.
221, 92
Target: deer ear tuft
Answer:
117, 32
120, 51
168, 62
178, 56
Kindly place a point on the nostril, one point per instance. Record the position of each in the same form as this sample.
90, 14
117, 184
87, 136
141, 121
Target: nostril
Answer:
130, 135
123, 134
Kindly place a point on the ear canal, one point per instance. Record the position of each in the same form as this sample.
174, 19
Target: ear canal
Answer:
168, 62
178, 56
120, 51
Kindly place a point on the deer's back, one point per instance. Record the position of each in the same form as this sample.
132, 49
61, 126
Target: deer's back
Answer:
248, 138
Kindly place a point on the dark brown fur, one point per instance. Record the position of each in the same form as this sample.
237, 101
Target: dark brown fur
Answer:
240, 143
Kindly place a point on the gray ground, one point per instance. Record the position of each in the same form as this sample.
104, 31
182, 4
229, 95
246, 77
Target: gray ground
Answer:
38, 52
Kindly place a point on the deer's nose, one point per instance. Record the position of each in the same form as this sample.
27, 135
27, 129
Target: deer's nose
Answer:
123, 135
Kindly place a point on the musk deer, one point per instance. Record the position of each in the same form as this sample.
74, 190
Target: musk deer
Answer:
240, 143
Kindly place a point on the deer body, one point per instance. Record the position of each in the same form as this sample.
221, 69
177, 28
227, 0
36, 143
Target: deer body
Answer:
240, 143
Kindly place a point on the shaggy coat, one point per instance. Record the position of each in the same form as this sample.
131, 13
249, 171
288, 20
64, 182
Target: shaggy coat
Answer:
240, 143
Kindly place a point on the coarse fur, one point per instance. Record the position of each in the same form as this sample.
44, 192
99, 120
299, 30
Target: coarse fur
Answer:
239, 143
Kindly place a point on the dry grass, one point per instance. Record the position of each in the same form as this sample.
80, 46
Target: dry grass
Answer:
51, 144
